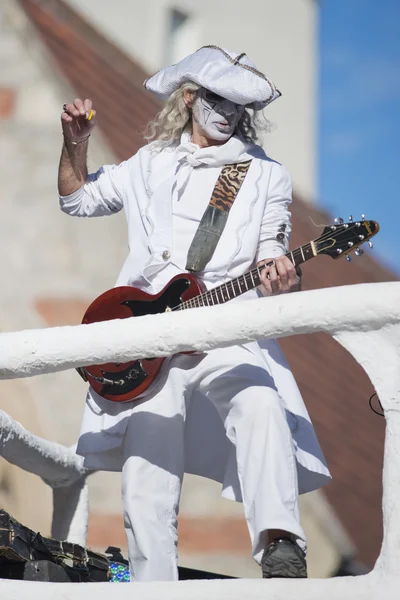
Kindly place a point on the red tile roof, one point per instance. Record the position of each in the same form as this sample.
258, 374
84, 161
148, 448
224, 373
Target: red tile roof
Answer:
335, 388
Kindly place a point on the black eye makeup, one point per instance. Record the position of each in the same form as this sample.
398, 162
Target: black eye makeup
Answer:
211, 97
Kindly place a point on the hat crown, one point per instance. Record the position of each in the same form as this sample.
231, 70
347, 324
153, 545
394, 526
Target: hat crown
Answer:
229, 74
241, 60
236, 58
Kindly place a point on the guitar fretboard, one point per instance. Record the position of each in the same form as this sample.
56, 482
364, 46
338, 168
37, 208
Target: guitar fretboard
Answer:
244, 283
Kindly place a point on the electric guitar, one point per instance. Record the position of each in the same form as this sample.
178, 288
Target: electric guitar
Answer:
123, 382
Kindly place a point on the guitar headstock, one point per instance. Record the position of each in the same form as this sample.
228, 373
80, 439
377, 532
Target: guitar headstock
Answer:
341, 238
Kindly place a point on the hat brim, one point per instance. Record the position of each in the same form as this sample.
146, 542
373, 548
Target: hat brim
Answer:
218, 71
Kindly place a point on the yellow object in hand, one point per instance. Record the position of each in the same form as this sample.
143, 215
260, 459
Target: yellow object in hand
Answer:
90, 115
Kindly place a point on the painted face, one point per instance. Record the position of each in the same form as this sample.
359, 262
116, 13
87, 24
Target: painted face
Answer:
216, 116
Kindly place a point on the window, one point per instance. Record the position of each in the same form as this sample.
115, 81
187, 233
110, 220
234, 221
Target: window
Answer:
181, 36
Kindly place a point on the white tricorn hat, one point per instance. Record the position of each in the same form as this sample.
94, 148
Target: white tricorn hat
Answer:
230, 75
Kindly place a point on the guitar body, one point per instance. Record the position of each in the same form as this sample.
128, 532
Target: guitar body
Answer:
123, 382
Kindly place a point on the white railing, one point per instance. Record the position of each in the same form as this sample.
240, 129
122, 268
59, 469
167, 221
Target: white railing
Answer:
365, 319
59, 467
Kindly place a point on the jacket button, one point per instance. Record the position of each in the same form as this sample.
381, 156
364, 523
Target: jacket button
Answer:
166, 254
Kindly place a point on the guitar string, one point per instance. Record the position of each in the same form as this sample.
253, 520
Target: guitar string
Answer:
245, 279
207, 293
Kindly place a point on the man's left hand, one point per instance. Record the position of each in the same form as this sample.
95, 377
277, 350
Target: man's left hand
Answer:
280, 278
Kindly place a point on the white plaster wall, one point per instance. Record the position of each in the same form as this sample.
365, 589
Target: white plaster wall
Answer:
278, 35
367, 587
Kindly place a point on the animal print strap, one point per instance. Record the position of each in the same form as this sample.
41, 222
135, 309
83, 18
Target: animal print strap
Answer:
215, 217
228, 185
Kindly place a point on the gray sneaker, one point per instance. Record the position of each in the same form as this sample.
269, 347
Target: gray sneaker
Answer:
283, 558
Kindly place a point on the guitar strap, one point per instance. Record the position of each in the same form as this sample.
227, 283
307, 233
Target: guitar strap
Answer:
216, 215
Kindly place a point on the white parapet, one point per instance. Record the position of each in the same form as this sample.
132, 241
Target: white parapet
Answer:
365, 319
356, 308
60, 467
365, 587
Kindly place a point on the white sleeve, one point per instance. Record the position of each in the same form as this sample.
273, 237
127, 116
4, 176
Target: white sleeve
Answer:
101, 195
276, 225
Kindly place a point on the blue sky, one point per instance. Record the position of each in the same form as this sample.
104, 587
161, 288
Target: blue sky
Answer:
359, 120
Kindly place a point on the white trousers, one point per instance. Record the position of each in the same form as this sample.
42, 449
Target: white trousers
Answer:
242, 391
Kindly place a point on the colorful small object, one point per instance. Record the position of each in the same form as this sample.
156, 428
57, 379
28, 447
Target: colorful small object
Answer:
90, 115
119, 573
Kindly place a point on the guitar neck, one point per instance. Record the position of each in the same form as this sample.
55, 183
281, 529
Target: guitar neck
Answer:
248, 281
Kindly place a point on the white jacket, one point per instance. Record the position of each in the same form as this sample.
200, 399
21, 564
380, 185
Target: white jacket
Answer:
146, 186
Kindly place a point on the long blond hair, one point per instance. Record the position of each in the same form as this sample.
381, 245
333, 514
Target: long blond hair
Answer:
176, 117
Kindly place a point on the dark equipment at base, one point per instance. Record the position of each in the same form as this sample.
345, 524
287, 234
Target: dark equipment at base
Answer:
26, 555
44, 570
38, 570
186, 573
53, 560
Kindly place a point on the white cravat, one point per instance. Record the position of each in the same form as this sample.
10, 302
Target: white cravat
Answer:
190, 156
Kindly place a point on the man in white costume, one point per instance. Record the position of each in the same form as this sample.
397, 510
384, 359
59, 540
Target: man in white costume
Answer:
235, 414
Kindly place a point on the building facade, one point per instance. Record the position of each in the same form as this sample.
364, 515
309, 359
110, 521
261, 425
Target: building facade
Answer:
280, 36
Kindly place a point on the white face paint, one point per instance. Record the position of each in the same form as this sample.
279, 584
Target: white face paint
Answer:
216, 116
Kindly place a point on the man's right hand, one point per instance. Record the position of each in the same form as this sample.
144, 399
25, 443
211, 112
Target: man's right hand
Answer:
74, 120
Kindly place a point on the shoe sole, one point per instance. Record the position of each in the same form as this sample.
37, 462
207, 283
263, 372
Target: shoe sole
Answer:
284, 564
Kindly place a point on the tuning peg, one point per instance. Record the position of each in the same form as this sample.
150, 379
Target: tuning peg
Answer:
338, 221
370, 244
363, 216
348, 258
359, 252
350, 218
